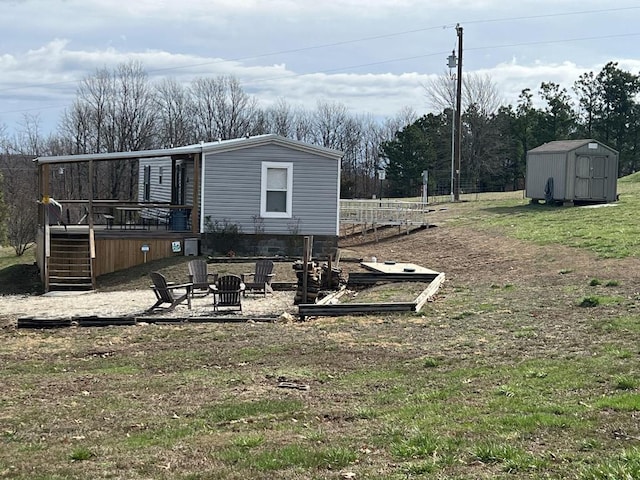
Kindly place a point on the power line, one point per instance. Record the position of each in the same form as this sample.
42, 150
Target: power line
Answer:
567, 40
363, 39
426, 55
549, 15
347, 42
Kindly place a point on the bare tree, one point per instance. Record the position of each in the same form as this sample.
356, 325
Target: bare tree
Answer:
334, 127
281, 119
174, 109
480, 102
134, 109
405, 116
222, 109
441, 92
303, 125
19, 184
482, 92
3, 207
113, 111
479, 90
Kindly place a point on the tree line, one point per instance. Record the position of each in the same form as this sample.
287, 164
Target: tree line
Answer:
121, 109
496, 137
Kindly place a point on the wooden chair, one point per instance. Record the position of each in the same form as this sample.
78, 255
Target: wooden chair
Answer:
202, 280
165, 293
228, 293
262, 278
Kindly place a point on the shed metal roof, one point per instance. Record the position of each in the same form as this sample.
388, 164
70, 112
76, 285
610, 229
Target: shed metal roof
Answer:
206, 148
560, 146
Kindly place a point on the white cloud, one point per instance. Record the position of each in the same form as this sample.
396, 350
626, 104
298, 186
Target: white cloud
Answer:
371, 55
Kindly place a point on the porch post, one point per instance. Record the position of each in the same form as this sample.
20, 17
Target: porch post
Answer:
91, 173
195, 210
44, 192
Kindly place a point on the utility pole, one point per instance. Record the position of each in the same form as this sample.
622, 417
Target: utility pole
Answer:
452, 63
458, 117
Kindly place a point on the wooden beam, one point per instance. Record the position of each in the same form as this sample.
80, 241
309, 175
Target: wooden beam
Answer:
91, 193
44, 192
429, 292
315, 309
333, 296
369, 278
195, 211
306, 258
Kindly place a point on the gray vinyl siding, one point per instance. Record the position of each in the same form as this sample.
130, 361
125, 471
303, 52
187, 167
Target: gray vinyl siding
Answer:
542, 166
232, 183
159, 193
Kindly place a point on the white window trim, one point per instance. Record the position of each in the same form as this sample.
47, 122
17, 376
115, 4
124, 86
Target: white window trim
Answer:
263, 190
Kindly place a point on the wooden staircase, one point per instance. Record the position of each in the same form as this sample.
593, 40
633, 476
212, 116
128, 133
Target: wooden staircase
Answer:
70, 261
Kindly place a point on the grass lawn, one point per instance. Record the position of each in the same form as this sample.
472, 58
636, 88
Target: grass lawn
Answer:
527, 365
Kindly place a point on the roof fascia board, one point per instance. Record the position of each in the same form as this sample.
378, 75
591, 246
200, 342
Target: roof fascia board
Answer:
117, 155
207, 148
231, 145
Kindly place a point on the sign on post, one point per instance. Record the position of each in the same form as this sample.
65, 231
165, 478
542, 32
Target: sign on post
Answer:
144, 248
425, 181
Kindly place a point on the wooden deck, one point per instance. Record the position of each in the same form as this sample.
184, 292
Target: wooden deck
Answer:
120, 248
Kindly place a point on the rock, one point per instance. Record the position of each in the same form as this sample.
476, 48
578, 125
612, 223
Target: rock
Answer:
286, 317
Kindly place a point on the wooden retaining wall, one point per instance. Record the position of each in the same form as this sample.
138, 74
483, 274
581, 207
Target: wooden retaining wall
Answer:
325, 308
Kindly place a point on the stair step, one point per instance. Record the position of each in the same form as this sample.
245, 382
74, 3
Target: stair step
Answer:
69, 266
70, 262
70, 277
70, 286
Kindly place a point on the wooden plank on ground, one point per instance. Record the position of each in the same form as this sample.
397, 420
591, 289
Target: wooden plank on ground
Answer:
429, 292
316, 310
95, 321
284, 286
369, 278
31, 322
395, 267
208, 319
333, 296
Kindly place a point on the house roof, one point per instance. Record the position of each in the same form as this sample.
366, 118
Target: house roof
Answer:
559, 146
205, 148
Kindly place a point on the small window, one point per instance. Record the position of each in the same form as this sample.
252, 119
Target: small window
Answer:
277, 190
147, 183
160, 173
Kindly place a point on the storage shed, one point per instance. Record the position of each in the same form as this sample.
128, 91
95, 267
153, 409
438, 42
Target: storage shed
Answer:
572, 171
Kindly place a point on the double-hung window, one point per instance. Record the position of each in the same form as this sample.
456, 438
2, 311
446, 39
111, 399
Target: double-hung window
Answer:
277, 190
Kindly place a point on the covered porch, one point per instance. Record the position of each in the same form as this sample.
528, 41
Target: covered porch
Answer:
93, 221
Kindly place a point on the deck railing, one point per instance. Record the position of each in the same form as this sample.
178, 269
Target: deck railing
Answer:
123, 215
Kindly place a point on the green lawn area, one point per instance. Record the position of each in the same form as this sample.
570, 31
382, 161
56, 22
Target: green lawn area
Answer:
494, 379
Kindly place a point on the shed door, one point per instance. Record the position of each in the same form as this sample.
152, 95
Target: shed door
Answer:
598, 176
590, 178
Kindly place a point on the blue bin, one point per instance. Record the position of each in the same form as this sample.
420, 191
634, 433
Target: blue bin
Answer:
178, 220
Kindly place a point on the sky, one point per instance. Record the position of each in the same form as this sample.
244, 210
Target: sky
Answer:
372, 56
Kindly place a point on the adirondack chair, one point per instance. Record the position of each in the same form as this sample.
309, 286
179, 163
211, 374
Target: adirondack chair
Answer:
203, 281
261, 278
165, 293
228, 293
